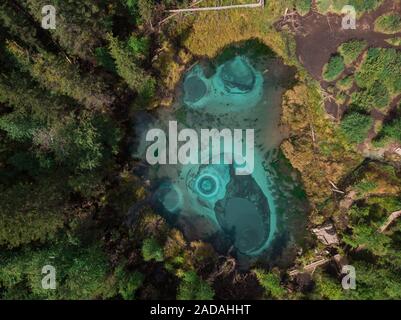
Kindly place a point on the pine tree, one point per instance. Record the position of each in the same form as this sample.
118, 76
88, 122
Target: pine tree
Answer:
193, 287
17, 24
60, 76
30, 212
82, 272
127, 67
80, 25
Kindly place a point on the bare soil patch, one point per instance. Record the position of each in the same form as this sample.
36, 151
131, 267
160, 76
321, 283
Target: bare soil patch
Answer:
321, 35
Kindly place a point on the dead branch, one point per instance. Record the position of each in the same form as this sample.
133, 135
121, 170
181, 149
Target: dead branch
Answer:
176, 13
310, 268
395, 215
291, 18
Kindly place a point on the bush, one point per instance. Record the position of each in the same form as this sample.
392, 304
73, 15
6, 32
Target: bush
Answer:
391, 131
356, 126
81, 273
381, 65
192, 287
126, 58
152, 250
394, 41
376, 96
104, 58
341, 98
128, 283
351, 50
271, 283
388, 23
346, 83
333, 69
30, 212
365, 186
328, 288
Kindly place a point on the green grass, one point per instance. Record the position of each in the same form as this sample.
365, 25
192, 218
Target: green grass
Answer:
355, 126
303, 6
361, 6
365, 186
351, 50
334, 68
388, 23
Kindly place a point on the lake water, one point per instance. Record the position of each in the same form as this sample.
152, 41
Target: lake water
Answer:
258, 214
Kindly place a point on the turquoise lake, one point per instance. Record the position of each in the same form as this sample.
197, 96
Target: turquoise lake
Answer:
256, 215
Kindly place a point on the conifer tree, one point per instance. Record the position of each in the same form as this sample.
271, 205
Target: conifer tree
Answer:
30, 212
17, 24
60, 76
80, 25
128, 68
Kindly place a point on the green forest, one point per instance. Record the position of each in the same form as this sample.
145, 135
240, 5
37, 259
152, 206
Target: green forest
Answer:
67, 178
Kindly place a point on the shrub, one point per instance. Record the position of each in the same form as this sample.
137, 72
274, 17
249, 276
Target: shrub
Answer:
81, 272
192, 287
394, 41
365, 186
104, 58
355, 126
346, 83
333, 69
152, 250
376, 96
391, 131
128, 283
271, 283
351, 50
388, 23
381, 65
341, 98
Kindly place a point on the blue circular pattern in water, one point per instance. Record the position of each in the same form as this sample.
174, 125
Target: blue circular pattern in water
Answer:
207, 185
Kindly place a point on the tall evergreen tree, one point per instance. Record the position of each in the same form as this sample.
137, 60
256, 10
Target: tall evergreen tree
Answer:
60, 76
128, 68
80, 25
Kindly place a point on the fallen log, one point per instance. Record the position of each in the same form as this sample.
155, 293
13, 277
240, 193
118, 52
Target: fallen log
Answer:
310, 268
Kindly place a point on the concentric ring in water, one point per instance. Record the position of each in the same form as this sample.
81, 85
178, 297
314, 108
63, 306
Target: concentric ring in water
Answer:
207, 185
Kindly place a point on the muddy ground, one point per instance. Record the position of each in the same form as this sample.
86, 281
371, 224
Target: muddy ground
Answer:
319, 36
